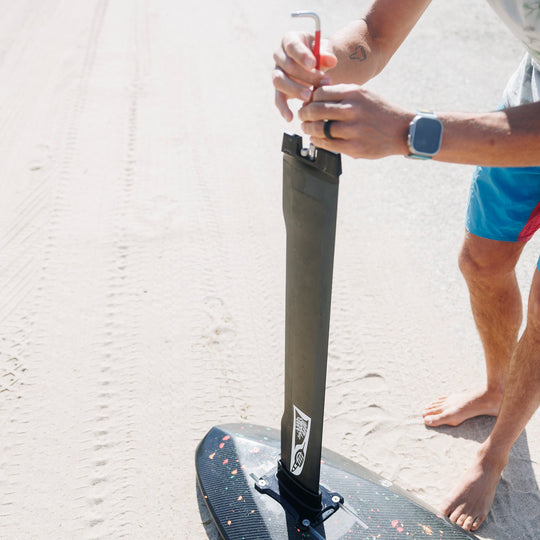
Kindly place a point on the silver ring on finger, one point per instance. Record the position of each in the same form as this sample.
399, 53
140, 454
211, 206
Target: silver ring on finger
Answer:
326, 128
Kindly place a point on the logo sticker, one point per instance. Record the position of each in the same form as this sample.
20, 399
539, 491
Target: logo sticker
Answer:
300, 439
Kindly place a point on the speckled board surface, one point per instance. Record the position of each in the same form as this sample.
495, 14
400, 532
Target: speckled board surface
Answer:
231, 458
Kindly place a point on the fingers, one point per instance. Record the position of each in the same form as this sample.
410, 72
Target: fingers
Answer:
328, 59
316, 130
294, 74
298, 47
287, 89
338, 102
295, 59
290, 87
314, 116
314, 112
337, 92
283, 108
343, 105
339, 146
338, 130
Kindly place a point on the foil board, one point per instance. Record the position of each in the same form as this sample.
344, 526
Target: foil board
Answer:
232, 459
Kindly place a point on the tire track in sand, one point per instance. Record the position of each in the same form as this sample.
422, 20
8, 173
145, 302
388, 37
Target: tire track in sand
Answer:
214, 333
26, 368
229, 340
113, 430
116, 392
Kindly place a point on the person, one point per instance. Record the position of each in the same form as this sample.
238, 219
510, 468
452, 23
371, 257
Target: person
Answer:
503, 213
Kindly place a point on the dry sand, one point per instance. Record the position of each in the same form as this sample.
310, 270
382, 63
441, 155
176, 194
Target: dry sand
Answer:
142, 263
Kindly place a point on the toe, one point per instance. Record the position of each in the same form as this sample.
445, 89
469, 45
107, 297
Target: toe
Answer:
461, 520
435, 406
431, 410
468, 523
456, 516
433, 420
477, 522
438, 401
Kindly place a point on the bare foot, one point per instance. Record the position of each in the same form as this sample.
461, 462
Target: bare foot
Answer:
469, 503
456, 408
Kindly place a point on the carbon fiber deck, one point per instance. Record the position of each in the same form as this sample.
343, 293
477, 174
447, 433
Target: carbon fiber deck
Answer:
232, 457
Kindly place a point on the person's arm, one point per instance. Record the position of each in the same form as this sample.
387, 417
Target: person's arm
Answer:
364, 47
366, 126
356, 53
507, 138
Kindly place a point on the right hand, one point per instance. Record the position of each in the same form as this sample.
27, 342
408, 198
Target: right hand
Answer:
295, 75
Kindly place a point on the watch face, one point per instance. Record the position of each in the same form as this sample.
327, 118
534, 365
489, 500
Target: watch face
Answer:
427, 135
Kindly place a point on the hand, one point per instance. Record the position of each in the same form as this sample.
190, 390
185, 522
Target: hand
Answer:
294, 74
363, 124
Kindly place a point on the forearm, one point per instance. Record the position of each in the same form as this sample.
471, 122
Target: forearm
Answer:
359, 58
508, 138
365, 46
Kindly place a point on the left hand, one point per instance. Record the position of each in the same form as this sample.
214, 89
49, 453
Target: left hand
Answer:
363, 124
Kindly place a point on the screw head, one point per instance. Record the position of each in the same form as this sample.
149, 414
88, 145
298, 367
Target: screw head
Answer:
336, 499
263, 482
306, 522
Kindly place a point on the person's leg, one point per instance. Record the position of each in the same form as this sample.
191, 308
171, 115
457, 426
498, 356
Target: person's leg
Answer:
469, 503
488, 268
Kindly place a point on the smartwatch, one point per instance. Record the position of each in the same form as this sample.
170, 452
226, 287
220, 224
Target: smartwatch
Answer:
425, 135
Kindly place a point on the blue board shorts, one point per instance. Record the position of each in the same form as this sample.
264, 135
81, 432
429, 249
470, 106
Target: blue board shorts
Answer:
504, 203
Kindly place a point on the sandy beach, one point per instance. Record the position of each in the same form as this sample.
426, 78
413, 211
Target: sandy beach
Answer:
142, 263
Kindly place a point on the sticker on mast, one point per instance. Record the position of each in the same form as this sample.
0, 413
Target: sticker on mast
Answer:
300, 439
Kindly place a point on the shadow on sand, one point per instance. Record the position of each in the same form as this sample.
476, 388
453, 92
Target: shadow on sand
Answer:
206, 519
516, 510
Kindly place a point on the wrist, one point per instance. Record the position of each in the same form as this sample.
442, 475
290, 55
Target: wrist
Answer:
402, 134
